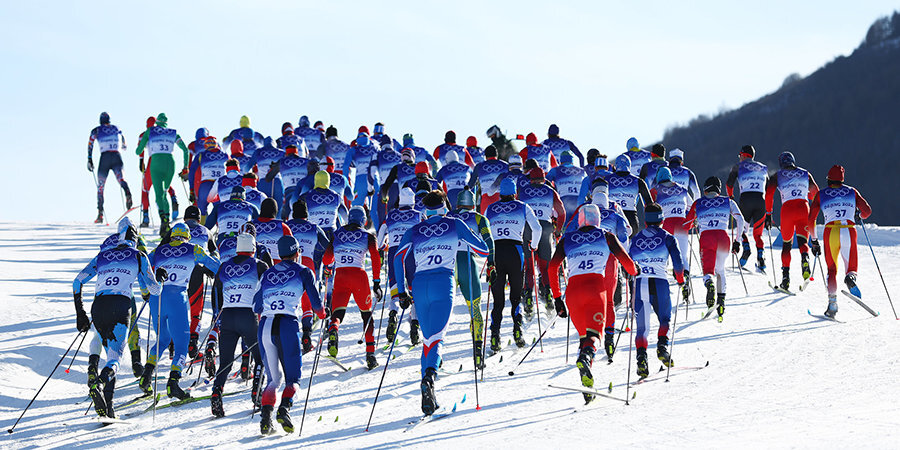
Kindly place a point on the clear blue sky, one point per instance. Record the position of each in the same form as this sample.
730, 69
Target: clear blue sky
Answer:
602, 71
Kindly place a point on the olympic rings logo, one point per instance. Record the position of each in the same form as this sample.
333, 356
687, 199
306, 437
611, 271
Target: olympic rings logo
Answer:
266, 227
390, 156
116, 255
712, 202
404, 216
648, 243
236, 271
320, 198
670, 190
198, 232
463, 215
280, 277
301, 228
836, 192
174, 252
580, 237
232, 206
504, 207
793, 173
753, 167
437, 229
228, 243
349, 236
620, 181
493, 168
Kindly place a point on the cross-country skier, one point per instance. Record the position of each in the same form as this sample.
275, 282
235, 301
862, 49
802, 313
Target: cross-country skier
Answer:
147, 180
454, 176
796, 187
588, 251
278, 303
467, 275
681, 175
398, 176
483, 177
323, 204
600, 171
567, 179
288, 137
252, 195
385, 161
751, 177
313, 241
161, 141
476, 152
196, 290
243, 133
116, 269
293, 169
423, 173
169, 310
269, 229
551, 215
651, 248
440, 152
422, 155
207, 167
508, 219
360, 157
625, 188
674, 202
838, 203
558, 145
427, 255
244, 160
538, 152
263, 160
228, 216
711, 213
657, 161
637, 155
397, 222
109, 139
348, 251
335, 149
222, 187
312, 137
238, 280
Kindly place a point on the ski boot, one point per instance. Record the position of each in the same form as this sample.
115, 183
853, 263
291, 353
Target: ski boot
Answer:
850, 281
785, 278
128, 199
710, 292
95, 391
174, 208
99, 218
528, 302
391, 332
429, 401
517, 332
371, 362
662, 351
136, 367
108, 379
804, 265
265, 420
479, 355
721, 306
145, 221
215, 402
414, 332
93, 361
832, 307
609, 345
255, 388
145, 383
163, 224
584, 362
745, 255
172, 387
495, 341
171, 350
193, 351
547, 299
686, 288
209, 359
760, 261
306, 340
333, 340
245, 366
283, 416
643, 368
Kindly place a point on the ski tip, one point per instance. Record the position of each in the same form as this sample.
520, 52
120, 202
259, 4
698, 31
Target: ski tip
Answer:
336, 418
320, 419
511, 373
463, 399
477, 407
610, 386
67, 370
9, 431
707, 364
627, 328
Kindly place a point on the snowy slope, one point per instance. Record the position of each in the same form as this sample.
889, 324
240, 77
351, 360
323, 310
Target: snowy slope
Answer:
777, 377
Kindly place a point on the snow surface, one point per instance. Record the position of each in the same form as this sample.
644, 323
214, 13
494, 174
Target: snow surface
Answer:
776, 377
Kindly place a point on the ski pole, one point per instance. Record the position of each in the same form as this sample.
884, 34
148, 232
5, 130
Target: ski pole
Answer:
383, 373
487, 310
76, 352
822, 272
672, 351
469, 263
311, 374
205, 338
772, 255
45, 381
380, 322
630, 335
225, 369
733, 260
866, 234
690, 262
537, 301
568, 332
156, 367
552, 322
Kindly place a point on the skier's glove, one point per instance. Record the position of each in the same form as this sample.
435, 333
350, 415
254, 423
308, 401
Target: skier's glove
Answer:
327, 272
376, 288
82, 322
404, 300
161, 274
816, 249
184, 174
141, 165
857, 219
768, 221
326, 313
735, 247
560, 307
192, 199
90, 165
491, 273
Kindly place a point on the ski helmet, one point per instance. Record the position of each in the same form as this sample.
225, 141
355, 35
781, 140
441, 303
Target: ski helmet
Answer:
244, 122
104, 118
465, 199
663, 174
507, 187
713, 184
246, 243
786, 159
632, 144
202, 133
589, 216
566, 158
490, 152
362, 140
180, 231
658, 150
623, 163
471, 141
237, 193
452, 156
450, 137
237, 148
553, 130
322, 180
268, 208
407, 197
515, 160
287, 128
330, 131
676, 153
287, 246
531, 139
357, 216
192, 212
835, 173
162, 120
748, 151
422, 167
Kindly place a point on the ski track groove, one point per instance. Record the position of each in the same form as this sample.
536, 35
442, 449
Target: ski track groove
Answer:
777, 377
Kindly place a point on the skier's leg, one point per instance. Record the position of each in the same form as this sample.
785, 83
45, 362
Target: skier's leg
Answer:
103, 169
642, 291
195, 291
362, 294
435, 299
289, 355
162, 168
202, 196
134, 338
722, 250
661, 303
146, 183
269, 343
228, 336
179, 326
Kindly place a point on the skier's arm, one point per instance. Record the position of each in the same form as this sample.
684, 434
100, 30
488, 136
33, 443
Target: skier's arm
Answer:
814, 207
312, 291
84, 276
146, 278
213, 195
375, 257
693, 187
732, 177
813, 187
184, 150
577, 153
200, 257
348, 160
321, 245
558, 255
736, 213
328, 256
675, 254
691, 216
474, 178
484, 228
532, 222
644, 192
553, 162
257, 300
382, 235
143, 142
399, 262
771, 185
615, 247
559, 211
468, 158
465, 235
213, 217
91, 143
862, 205
623, 227
385, 187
